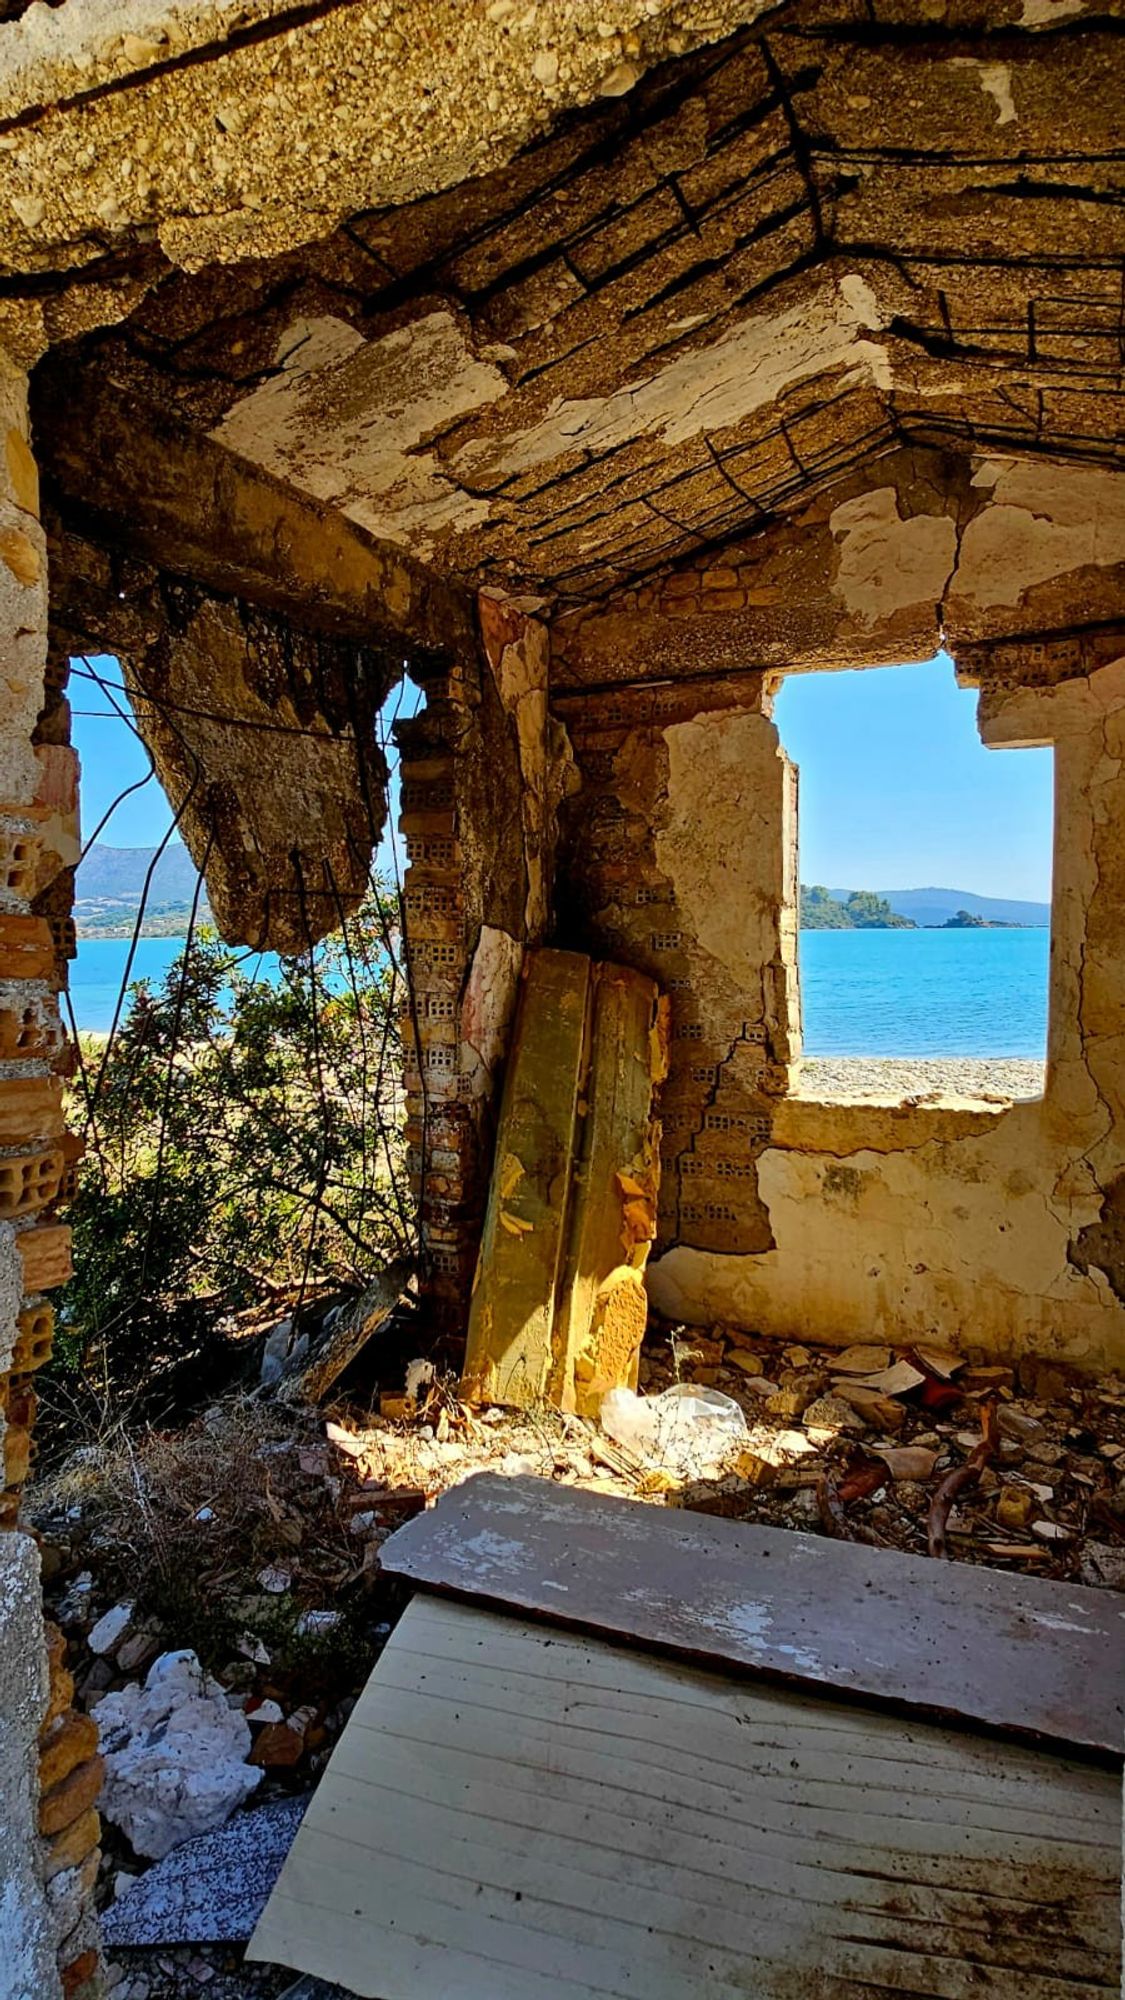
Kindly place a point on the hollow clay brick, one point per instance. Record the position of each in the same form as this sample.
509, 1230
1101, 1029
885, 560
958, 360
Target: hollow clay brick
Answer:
73, 1843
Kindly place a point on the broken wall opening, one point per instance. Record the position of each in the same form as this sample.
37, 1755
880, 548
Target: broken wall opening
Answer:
907, 987
244, 1110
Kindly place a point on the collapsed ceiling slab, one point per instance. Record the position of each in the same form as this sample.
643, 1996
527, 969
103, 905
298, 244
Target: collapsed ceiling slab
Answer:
682, 312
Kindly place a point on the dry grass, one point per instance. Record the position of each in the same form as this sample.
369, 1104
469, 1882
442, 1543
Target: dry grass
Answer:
183, 1523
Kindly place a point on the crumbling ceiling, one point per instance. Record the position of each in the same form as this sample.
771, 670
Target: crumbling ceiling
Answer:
685, 310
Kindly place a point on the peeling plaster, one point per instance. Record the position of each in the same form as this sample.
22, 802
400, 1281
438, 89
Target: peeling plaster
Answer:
1047, 13
347, 420
888, 563
489, 1007
718, 844
995, 80
708, 389
1044, 521
998, 1230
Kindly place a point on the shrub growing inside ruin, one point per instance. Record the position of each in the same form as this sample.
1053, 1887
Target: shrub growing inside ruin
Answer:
244, 1145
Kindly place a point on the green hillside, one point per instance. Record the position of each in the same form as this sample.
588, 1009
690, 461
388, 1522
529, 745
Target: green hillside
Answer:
863, 910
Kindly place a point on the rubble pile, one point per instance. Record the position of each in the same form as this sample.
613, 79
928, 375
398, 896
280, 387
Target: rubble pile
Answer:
241, 1557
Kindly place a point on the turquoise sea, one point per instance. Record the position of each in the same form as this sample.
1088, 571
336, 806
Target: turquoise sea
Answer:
865, 993
925, 993
97, 972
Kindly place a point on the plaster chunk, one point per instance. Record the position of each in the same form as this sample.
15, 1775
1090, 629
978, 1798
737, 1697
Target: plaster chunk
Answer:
718, 847
175, 1756
707, 389
347, 420
489, 1006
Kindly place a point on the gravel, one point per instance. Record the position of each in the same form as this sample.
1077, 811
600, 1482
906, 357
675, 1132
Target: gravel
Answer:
901, 1077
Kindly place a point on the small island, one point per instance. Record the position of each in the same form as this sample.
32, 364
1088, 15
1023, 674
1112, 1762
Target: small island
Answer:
862, 910
965, 921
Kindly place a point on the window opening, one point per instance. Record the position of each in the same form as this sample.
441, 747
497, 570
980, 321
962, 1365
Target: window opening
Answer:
925, 870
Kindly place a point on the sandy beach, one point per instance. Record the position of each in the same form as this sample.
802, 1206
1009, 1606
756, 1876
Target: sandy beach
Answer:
900, 1077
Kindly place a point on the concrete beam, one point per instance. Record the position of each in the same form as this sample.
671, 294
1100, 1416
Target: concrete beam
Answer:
136, 478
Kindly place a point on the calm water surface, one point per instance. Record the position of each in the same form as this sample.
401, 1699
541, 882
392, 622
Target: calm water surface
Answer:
865, 993
97, 972
925, 993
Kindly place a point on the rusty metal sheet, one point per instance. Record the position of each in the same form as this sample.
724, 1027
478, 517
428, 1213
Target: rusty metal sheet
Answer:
1035, 1659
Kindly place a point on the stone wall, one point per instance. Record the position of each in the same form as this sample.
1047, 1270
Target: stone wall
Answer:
43, 1891
997, 1229
483, 769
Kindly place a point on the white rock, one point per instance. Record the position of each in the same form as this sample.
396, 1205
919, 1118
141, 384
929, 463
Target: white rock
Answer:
316, 1622
107, 1634
174, 1756
266, 1711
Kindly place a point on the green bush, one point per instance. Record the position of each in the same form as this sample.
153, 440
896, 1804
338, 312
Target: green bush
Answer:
244, 1142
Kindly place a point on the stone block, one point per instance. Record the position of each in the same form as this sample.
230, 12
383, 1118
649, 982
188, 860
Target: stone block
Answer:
69, 1741
67, 1801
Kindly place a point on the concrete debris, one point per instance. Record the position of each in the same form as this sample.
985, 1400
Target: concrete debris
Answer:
175, 1756
110, 1630
1103, 1566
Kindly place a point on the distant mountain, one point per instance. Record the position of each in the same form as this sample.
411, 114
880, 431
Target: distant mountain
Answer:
110, 883
119, 873
930, 909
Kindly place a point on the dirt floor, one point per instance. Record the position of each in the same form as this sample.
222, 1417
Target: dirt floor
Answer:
253, 1537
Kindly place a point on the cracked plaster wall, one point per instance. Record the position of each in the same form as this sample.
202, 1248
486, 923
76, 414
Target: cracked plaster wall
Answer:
975, 1224
679, 858
919, 546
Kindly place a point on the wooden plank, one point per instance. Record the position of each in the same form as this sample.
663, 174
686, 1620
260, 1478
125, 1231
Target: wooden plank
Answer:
359, 1325
519, 1814
508, 1352
1044, 1660
602, 1308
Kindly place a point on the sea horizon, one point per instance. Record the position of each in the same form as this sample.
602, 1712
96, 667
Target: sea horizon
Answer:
913, 994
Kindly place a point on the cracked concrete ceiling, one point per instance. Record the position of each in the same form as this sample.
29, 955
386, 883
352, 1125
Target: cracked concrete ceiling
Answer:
682, 311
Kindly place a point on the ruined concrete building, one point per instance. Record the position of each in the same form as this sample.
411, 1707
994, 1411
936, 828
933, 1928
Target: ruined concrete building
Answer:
599, 364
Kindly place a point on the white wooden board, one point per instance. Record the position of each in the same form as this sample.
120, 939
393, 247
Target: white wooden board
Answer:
516, 1813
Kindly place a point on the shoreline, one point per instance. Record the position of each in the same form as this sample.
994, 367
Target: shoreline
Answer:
1006, 1078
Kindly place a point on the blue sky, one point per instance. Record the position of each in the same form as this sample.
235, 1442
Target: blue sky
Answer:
897, 791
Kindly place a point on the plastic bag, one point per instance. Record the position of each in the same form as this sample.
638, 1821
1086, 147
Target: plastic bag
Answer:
681, 1430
